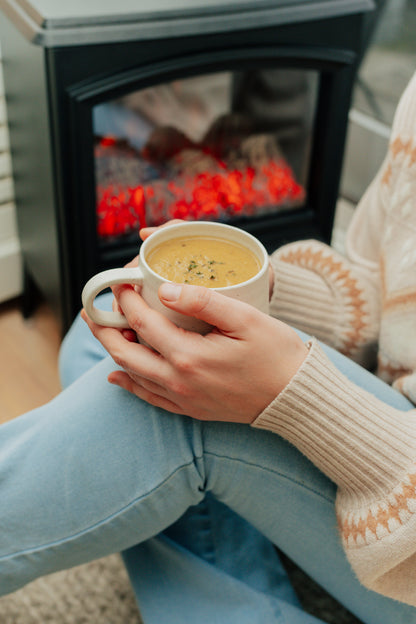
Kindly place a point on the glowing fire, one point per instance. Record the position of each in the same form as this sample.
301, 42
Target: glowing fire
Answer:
221, 195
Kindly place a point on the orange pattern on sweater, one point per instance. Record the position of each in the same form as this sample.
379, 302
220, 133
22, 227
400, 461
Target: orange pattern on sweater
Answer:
335, 270
385, 518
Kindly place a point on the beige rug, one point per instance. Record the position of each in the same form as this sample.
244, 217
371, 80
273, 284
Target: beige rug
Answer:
95, 593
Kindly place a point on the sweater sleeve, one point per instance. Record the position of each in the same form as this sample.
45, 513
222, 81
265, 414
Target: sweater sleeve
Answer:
332, 297
369, 450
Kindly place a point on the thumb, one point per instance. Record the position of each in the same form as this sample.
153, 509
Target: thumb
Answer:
225, 313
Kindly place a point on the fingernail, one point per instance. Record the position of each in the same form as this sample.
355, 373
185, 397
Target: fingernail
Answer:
170, 292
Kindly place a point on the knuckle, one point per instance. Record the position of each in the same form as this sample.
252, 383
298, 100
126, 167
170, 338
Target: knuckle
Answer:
251, 316
201, 299
135, 321
178, 388
118, 359
183, 362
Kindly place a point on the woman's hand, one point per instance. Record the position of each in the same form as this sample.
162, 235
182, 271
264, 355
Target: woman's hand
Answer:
230, 374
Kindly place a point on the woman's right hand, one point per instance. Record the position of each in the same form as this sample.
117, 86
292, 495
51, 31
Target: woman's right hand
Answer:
230, 374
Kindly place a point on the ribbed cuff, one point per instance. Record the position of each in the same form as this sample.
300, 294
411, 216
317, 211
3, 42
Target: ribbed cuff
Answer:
359, 442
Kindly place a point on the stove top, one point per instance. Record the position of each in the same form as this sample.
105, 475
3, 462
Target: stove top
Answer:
49, 23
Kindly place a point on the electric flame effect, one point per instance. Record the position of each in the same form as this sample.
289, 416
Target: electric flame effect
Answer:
209, 189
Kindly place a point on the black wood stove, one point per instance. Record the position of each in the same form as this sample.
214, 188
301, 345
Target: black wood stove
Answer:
127, 114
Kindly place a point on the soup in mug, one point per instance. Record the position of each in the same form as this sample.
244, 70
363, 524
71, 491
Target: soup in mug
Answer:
203, 261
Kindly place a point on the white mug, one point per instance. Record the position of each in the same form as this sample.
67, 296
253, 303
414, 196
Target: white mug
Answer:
254, 291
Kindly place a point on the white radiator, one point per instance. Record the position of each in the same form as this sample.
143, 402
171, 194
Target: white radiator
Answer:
10, 257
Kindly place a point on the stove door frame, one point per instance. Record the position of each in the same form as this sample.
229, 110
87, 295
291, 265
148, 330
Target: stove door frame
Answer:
336, 77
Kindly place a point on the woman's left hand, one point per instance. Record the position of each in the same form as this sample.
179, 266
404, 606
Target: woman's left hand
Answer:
230, 374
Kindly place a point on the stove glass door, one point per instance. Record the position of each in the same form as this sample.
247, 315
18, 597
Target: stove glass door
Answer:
227, 146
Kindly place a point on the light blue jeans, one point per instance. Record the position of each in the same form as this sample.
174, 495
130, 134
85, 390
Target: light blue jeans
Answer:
194, 507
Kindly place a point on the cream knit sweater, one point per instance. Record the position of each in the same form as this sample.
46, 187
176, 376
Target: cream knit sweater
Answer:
365, 306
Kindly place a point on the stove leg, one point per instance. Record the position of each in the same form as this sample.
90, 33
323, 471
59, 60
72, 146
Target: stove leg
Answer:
31, 295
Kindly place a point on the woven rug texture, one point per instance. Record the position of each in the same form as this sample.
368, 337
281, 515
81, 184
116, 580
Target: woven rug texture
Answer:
94, 593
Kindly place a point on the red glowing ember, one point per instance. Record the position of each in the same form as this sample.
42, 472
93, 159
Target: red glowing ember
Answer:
218, 193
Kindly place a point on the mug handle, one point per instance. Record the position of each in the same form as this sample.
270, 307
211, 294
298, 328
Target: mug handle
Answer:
100, 282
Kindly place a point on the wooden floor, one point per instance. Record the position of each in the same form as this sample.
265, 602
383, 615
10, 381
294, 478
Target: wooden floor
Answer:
28, 359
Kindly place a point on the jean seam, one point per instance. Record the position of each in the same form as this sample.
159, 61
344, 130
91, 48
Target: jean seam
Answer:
271, 471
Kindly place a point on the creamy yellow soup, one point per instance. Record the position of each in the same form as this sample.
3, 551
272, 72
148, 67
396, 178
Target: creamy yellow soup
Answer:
204, 261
